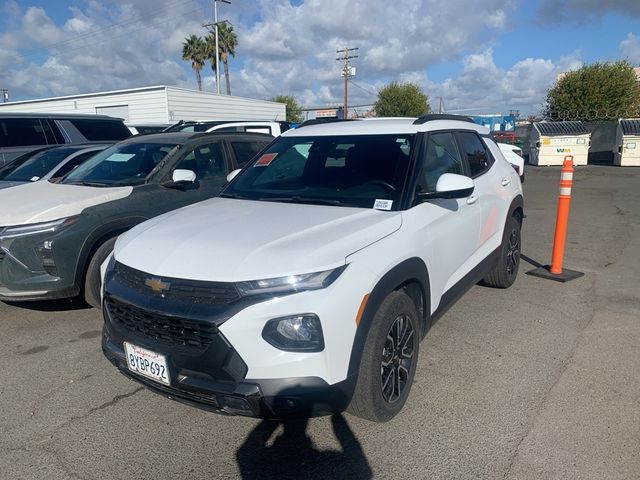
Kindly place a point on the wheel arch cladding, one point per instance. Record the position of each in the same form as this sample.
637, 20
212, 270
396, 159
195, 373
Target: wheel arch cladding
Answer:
517, 208
406, 275
96, 238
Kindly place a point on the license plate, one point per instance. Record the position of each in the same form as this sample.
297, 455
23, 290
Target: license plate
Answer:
147, 363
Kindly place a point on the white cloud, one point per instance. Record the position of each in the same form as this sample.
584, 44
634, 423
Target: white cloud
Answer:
283, 48
630, 48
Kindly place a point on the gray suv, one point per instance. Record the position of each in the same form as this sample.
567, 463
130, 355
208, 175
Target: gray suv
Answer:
22, 133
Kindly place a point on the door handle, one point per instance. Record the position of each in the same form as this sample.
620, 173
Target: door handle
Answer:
505, 181
472, 199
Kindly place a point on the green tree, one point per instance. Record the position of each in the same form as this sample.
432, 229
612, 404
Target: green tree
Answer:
294, 112
601, 91
401, 100
194, 51
227, 44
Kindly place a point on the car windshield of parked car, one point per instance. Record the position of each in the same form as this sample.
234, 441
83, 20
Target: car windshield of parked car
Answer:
353, 171
39, 165
123, 164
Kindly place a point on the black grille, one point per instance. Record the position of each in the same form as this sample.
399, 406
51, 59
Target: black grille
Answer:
192, 291
169, 330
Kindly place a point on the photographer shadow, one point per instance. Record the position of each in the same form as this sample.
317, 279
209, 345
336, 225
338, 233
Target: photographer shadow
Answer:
291, 455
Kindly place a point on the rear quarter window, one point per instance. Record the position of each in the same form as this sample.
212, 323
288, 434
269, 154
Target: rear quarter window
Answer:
100, 130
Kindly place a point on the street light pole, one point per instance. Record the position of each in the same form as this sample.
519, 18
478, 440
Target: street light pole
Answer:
217, 53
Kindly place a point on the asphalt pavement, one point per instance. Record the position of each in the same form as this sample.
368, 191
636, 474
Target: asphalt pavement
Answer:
537, 381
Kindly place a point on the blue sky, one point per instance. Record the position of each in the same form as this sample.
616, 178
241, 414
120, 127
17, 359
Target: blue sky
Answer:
479, 56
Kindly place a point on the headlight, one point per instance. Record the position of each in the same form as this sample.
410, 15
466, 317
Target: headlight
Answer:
34, 228
297, 333
290, 284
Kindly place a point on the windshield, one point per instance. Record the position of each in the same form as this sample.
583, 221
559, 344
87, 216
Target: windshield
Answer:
123, 164
355, 171
39, 165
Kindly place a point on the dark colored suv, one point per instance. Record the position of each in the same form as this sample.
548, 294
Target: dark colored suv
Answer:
55, 236
21, 133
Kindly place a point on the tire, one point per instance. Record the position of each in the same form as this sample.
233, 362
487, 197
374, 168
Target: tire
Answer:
506, 270
92, 282
374, 397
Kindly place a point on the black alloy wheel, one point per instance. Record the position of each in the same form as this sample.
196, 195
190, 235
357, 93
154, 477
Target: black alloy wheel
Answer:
397, 359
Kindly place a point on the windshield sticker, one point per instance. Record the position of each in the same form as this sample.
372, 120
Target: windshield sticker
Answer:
34, 179
120, 157
382, 204
265, 159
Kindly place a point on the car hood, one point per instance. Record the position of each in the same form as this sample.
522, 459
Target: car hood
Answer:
6, 184
44, 201
233, 240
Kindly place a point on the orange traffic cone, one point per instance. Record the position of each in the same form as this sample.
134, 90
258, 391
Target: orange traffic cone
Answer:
555, 271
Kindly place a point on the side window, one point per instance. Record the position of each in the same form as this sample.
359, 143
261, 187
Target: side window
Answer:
476, 153
18, 132
100, 130
245, 151
442, 156
205, 160
73, 163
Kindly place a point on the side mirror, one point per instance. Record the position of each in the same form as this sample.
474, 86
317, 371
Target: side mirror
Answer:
233, 174
181, 179
450, 185
183, 176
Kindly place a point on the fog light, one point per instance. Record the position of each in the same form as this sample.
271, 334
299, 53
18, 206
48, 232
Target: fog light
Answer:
45, 253
297, 333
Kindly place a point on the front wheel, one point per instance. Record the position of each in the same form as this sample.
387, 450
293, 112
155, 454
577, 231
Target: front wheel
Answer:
504, 273
389, 360
93, 282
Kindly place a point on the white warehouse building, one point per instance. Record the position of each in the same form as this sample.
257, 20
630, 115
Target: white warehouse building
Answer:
155, 105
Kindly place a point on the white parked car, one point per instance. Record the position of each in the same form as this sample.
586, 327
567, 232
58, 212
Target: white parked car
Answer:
514, 156
307, 286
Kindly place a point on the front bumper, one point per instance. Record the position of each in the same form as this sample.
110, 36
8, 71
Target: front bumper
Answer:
23, 275
264, 398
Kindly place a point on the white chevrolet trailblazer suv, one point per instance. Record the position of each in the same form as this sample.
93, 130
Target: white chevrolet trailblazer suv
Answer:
306, 288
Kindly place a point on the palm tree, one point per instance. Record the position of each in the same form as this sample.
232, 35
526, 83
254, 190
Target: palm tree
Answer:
227, 43
194, 50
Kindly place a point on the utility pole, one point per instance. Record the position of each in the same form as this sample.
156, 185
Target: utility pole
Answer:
5, 95
441, 107
346, 73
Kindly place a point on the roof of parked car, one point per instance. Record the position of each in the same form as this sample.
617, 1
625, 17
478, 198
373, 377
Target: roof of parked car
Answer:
72, 116
184, 137
379, 126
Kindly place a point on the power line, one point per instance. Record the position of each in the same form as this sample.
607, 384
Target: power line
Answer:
105, 29
370, 92
86, 46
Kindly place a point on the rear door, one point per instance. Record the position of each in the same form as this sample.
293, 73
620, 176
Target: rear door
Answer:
493, 190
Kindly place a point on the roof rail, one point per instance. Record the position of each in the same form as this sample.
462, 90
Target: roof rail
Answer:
441, 116
319, 121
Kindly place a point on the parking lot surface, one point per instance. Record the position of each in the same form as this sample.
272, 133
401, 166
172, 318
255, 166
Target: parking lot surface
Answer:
537, 381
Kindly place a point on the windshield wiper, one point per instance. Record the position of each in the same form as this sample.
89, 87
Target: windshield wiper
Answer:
309, 200
90, 184
235, 195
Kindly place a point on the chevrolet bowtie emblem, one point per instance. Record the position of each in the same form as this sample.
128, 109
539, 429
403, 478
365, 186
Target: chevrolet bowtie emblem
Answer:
157, 285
